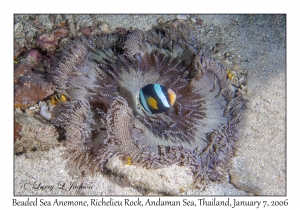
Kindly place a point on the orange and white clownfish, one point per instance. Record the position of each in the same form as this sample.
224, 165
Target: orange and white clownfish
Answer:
156, 98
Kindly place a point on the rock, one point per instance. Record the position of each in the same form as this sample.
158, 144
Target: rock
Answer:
18, 29
59, 20
34, 57
61, 32
47, 41
44, 22
171, 180
36, 135
227, 54
86, 31
30, 35
20, 70
182, 17
161, 20
104, 27
73, 31
244, 178
18, 48
199, 22
17, 130
30, 88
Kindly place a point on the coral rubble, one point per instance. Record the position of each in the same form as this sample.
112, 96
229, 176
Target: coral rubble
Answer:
32, 134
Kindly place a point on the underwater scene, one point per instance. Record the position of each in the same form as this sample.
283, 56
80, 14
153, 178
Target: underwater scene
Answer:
184, 104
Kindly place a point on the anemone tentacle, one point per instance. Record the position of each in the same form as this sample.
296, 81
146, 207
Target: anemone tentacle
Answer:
102, 76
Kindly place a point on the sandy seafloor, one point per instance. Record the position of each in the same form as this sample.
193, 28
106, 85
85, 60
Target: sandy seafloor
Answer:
257, 44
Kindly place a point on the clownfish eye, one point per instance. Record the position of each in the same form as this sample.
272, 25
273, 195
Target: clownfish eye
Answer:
156, 98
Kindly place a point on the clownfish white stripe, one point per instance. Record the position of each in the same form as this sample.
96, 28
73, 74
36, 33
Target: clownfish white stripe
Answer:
161, 95
144, 103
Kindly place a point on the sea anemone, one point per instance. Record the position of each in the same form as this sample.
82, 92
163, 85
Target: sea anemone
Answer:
102, 76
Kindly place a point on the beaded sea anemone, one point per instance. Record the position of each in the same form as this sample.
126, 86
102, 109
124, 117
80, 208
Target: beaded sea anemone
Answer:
103, 116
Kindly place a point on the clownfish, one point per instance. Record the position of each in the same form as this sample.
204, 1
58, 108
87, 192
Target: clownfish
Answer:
128, 161
230, 74
56, 98
156, 98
